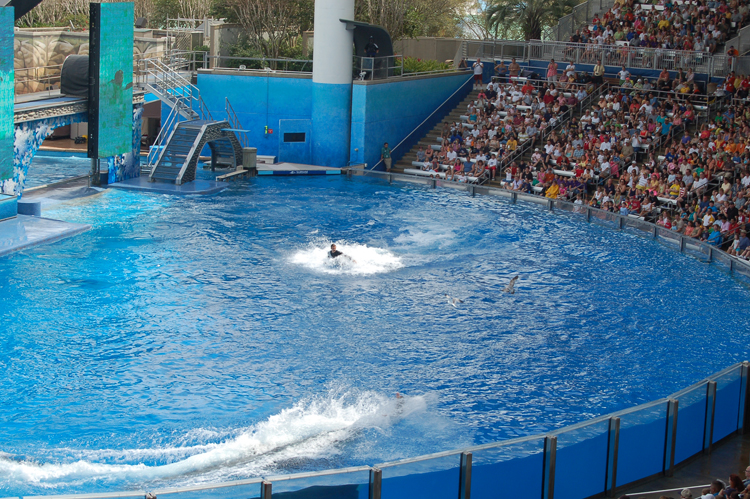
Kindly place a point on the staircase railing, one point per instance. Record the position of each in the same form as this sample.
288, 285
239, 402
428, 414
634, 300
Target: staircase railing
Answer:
234, 121
162, 138
169, 85
441, 110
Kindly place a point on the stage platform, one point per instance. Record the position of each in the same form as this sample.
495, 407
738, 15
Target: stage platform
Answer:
23, 232
191, 188
295, 169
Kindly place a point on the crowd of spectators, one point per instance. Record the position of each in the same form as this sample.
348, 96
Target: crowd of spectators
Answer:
607, 158
697, 25
734, 488
504, 120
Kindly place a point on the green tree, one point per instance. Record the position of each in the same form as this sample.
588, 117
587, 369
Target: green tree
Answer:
526, 19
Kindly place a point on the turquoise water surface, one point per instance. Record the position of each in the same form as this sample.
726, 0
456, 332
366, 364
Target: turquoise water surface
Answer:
188, 340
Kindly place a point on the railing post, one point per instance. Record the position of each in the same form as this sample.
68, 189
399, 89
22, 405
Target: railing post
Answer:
708, 429
471, 190
376, 483
621, 222
671, 442
588, 214
550, 205
744, 399
265, 490
682, 244
514, 197
710, 254
464, 485
613, 447
550, 458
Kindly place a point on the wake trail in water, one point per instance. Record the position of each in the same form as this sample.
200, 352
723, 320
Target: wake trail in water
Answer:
310, 429
366, 260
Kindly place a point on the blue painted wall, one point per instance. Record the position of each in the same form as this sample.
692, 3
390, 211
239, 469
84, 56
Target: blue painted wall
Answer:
259, 101
388, 112
331, 121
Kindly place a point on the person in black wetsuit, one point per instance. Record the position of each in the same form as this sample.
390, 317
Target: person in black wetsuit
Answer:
336, 253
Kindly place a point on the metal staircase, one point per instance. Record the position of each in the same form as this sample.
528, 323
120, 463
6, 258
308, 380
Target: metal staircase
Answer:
188, 128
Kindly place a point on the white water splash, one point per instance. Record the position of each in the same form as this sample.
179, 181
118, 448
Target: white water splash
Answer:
310, 429
364, 259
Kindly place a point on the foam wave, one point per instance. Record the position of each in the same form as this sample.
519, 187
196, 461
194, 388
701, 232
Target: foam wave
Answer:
310, 429
365, 260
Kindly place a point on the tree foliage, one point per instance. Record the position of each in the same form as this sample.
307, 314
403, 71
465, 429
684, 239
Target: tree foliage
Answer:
525, 19
413, 18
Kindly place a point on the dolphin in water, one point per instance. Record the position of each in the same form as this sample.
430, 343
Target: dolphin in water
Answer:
510, 288
453, 301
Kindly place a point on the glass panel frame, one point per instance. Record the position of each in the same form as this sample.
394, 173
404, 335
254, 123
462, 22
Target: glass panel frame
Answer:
346, 482
642, 441
517, 461
435, 476
691, 421
726, 415
581, 451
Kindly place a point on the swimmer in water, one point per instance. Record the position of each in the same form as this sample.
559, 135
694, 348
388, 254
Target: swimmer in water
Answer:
336, 253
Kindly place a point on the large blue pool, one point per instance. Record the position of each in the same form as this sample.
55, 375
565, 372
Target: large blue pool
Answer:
200, 339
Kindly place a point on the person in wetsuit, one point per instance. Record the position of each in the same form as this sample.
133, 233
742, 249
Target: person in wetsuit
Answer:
336, 253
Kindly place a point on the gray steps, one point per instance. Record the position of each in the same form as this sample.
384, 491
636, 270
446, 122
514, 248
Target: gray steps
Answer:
176, 152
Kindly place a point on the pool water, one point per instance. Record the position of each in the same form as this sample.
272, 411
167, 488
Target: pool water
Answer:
45, 170
187, 340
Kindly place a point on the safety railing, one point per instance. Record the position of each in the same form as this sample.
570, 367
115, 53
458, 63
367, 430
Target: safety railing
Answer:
154, 153
581, 15
610, 55
611, 451
400, 149
280, 65
234, 122
37, 79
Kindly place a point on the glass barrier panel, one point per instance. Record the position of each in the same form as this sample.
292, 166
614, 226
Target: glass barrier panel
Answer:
639, 225
354, 484
722, 258
691, 419
694, 248
492, 469
641, 445
727, 403
581, 451
500, 193
243, 489
741, 268
668, 236
435, 477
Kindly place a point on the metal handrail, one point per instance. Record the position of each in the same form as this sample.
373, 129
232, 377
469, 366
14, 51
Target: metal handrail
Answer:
426, 119
154, 153
234, 121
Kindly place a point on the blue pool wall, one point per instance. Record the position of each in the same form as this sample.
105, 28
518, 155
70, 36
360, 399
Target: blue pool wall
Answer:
331, 124
344, 124
388, 111
262, 101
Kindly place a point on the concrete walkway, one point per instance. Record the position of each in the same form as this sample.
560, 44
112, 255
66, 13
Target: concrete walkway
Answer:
731, 456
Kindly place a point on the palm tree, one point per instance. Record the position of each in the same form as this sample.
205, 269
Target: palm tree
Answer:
527, 18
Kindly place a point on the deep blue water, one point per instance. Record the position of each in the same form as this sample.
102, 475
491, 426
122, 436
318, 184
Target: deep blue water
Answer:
200, 339
46, 170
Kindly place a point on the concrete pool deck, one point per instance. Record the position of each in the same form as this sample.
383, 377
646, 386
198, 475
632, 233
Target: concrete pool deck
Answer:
142, 184
729, 456
24, 232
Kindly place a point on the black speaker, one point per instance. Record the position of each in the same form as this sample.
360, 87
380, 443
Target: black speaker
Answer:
74, 76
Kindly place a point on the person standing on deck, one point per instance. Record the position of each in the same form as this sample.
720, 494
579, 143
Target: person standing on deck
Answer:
385, 156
